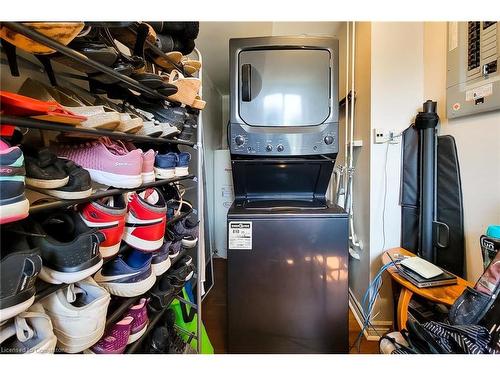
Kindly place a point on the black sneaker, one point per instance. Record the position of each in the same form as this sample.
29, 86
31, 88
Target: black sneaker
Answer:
181, 274
187, 229
69, 248
177, 343
19, 267
163, 293
79, 185
159, 341
13, 203
185, 261
42, 169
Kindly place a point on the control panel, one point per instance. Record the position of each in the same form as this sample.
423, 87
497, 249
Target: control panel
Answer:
473, 74
269, 141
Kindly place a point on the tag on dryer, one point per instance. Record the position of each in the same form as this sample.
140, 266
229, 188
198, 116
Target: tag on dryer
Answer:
240, 235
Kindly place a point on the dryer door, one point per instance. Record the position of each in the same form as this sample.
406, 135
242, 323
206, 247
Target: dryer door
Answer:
284, 87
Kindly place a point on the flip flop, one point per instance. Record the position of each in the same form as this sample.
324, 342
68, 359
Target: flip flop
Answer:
187, 88
20, 105
62, 32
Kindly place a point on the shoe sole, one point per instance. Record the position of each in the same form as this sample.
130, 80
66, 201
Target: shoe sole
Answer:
115, 180
69, 195
46, 347
164, 174
139, 243
11, 311
56, 277
189, 243
136, 336
181, 171
148, 177
162, 267
70, 344
109, 251
169, 133
130, 289
14, 211
46, 184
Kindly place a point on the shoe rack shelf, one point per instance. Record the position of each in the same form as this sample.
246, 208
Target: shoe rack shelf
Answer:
36, 208
45, 289
26, 122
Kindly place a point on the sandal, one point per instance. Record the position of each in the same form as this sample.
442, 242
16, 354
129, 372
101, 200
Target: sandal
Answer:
191, 66
98, 117
198, 103
20, 105
187, 88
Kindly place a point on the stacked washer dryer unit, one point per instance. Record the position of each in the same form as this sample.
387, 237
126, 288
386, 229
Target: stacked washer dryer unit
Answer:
287, 245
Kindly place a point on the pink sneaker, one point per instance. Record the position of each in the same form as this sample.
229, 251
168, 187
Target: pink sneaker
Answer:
141, 320
114, 340
148, 161
107, 163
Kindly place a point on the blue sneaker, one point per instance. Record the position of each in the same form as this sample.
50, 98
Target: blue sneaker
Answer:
165, 165
183, 159
13, 203
128, 275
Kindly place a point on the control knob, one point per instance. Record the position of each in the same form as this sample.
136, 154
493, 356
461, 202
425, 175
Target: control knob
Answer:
280, 148
239, 140
269, 148
328, 139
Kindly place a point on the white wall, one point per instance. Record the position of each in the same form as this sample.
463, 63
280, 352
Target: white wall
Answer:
359, 270
408, 66
397, 92
212, 117
478, 144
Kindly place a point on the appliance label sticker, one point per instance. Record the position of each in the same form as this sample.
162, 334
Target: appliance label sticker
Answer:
240, 235
479, 92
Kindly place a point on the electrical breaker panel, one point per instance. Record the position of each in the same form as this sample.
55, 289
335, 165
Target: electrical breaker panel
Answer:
473, 75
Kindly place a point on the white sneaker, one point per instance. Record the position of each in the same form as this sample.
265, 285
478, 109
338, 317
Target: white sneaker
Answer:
168, 130
33, 333
78, 313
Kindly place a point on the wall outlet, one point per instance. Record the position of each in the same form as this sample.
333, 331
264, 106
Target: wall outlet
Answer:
386, 136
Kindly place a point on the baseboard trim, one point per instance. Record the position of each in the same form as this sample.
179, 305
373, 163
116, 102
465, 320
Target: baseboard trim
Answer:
379, 326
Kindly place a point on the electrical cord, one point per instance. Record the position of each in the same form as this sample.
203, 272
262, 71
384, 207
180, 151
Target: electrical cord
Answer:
368, 303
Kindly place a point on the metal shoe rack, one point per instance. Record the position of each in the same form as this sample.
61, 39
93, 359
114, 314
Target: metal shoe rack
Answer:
44, 289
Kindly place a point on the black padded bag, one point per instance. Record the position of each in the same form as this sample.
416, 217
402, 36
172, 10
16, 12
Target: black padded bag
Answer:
409, 198
449, 248
449, 206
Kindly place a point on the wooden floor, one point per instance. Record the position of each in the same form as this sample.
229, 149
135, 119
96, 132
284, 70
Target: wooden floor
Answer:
215, 319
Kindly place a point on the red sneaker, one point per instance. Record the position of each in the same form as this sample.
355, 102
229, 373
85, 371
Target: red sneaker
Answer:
108, 216
146, 220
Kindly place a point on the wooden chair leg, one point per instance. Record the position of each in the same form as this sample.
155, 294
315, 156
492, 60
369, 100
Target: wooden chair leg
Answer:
403, 303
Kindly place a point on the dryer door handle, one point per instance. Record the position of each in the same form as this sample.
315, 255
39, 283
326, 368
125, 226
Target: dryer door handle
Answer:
246, 82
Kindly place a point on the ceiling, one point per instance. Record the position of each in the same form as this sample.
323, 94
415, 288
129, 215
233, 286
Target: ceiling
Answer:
213, 41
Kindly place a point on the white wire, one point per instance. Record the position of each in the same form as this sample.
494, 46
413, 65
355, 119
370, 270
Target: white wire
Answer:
385, 195
346, 103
